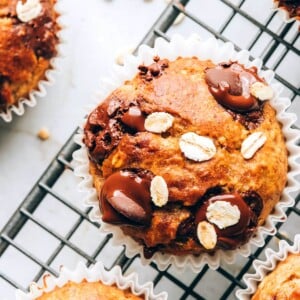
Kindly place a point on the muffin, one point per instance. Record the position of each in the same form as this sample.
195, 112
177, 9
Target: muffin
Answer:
88, 290
187, 157
283, 282
277, 277
28, 42
290, 7
91, 283
184, 160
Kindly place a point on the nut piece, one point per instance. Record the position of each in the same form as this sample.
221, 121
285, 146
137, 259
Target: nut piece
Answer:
196, 147
159, 191
43, 134
252, 143
158, 122
261, 91
207, 235
223, 214
29, 10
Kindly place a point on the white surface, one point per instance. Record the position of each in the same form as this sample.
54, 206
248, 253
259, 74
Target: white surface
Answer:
97, 29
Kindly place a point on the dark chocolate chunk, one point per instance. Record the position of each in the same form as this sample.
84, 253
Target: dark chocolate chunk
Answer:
125, 197
154, 70
230, 85
108, 123
234, 235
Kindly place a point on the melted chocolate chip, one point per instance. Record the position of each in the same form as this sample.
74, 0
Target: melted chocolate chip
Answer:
230, 85
134, 119
108, 123
232, 236
249, 119
39, 34
125, 198
154, 70
186, 229
254, 201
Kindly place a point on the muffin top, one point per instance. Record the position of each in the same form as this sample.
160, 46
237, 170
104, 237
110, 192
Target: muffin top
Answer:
283, 282
27, 43
87, 291
190, 152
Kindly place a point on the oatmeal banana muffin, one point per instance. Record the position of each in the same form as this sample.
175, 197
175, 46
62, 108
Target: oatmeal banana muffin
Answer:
27, 43
283, 282
187, 157
87, 291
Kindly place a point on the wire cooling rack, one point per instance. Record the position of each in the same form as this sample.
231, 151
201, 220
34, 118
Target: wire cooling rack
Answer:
70, 236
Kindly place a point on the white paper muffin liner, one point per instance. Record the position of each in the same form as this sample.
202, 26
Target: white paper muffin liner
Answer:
208, 49
262, 268
49, 77
284, 13
94, 273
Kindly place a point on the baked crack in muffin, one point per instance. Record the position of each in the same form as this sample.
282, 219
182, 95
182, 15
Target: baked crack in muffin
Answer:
187, 157
28, 39
283, 282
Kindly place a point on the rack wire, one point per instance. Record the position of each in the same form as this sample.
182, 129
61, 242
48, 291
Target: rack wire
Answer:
274, 37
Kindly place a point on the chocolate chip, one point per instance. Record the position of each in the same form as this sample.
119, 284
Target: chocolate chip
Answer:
156, 58
128, 193
186, 228
108, 123
255, 202
230, 85
143, 69
154, 69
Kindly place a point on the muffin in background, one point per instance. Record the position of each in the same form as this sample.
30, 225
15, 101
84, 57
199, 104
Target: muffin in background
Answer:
283, 282
276, 277
290, 8
94, 282
28, 42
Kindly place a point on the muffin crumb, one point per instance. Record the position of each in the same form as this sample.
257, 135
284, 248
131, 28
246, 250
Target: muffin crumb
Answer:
43, 134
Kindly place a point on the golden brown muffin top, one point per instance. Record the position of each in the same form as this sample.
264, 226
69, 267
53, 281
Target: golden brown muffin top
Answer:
25, 49
88, 291
283, 283
205, 100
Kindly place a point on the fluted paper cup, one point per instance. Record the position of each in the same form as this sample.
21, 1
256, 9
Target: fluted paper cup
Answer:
95, 273
262, 268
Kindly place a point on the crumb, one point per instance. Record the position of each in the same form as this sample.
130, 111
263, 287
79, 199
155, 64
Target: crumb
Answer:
43, 134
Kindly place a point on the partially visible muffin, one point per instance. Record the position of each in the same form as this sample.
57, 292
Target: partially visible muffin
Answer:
187, 157
28, 40
292, 7
88, 291
283, 283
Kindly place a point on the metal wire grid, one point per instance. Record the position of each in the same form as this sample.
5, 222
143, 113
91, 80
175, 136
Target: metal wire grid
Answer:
187, 285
